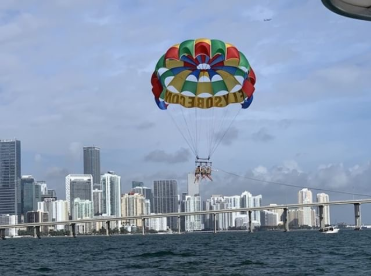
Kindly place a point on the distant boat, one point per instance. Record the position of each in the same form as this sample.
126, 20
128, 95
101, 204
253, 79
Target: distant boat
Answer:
330, 230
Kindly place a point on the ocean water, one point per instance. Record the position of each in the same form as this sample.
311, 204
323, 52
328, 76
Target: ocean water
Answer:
233, 253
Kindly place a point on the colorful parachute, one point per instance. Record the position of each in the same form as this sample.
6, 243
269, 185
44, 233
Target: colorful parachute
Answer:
203, 73
203, 84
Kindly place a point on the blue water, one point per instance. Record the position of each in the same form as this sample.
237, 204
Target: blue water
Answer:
260, 253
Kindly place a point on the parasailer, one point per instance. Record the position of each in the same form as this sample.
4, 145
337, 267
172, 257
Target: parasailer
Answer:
199, 82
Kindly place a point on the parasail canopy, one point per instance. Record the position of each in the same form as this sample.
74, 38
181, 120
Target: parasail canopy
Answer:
207, 76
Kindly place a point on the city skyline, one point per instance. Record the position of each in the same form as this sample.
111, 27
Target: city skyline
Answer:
308, 124
305, 216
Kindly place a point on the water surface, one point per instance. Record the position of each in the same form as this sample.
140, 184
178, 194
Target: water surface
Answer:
234, 253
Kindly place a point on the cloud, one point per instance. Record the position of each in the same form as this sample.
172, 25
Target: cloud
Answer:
38, 157
55, 179
160, 156
227, 137
333, 178
262, 135
145, 125
75, 150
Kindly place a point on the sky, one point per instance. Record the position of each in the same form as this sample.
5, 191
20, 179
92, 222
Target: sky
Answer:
77, 73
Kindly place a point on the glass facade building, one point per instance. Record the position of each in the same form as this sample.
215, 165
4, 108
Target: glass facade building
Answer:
78, 186
28, 199
165, 199
92, 163
10, 177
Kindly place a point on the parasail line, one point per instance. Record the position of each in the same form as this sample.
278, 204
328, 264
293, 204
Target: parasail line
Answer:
290, 185
189, 145
216, 147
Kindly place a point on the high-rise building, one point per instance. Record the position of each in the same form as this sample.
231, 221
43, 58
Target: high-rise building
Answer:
233, 202
78, 186
57, 210
10, 177
294, 215
133, 204
268, 218
97, 202
165, 199
305, 196
82, 209
9, 220
92, 163
38, 216
322, 197
193, 185
157, 224
61, 212
137, 184
249, 201
49, 194
38, 192
43, 187
111, 194
28, 201
146, 192
279, 213
194, 222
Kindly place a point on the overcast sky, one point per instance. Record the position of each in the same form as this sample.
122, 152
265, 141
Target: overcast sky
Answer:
77, 73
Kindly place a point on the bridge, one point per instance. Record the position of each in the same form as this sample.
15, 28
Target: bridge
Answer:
285, 207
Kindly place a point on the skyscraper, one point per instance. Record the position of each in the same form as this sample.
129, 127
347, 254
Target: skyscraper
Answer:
193, 185
97, 202
10, 177
38, 192
28, 200
111, 194
165, 199
82, 209
322, 197
137, 184
92, 163
78, 186
133, 204
147, 192
194, 222
248, 201
305, 196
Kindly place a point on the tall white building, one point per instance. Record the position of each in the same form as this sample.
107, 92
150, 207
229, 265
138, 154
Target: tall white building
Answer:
78, 186
43, 187
322, 197
305, 196
61, 212
9, 220
233, 202
111, 194
279, 213
83, 209
193, 186
57, 210
158, 224
249, 201
194, 222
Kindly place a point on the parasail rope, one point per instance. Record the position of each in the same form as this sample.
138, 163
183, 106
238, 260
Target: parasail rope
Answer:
185, 139
291, 185
191, 137
225, 132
